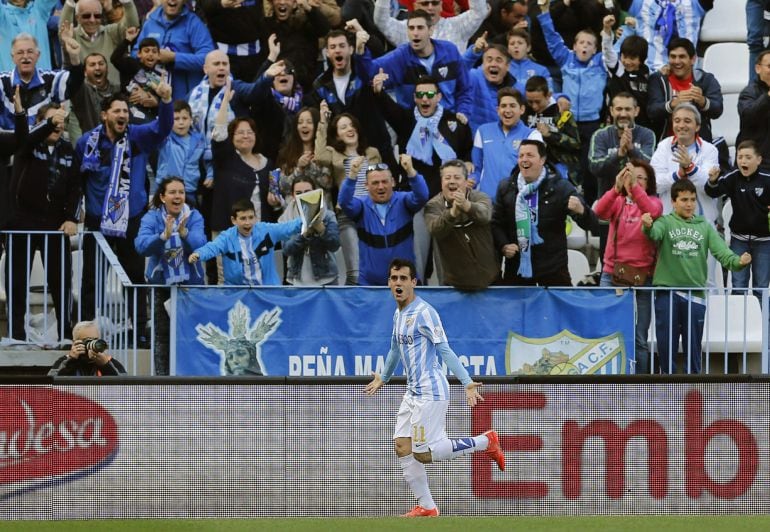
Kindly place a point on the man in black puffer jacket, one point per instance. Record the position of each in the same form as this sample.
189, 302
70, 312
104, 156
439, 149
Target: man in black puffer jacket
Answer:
529, 227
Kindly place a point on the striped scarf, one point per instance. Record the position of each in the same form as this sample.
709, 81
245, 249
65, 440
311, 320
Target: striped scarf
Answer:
204, 112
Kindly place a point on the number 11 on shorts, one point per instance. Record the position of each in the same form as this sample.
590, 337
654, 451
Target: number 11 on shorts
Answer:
418, 433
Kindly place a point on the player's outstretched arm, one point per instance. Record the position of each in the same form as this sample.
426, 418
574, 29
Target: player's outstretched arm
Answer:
472, 395
374, 385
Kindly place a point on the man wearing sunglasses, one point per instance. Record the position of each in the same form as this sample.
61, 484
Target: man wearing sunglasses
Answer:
457, 30
431, 135
92, 32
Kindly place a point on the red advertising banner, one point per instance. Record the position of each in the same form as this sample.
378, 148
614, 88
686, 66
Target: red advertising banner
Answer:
326, 450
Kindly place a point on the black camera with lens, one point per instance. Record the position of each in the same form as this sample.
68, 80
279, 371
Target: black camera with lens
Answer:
97, 345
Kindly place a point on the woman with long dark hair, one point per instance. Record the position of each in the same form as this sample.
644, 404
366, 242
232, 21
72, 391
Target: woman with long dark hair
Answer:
623, 205
337, 154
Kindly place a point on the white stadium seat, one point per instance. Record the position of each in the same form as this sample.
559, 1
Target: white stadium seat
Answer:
578, 266
725, 22
729, 63
728, 124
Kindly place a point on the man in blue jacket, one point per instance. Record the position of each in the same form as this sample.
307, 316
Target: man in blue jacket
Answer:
384, 218
184, 42
423, 56
112, 161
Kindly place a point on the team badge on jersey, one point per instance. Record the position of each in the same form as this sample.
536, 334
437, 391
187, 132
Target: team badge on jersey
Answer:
410, 321
452, 124
759, 190
442, 71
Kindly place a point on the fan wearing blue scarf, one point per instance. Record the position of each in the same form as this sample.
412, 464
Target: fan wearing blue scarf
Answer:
529, 217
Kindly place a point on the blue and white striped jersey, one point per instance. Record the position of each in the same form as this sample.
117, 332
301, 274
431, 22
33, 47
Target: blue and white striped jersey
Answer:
416, 331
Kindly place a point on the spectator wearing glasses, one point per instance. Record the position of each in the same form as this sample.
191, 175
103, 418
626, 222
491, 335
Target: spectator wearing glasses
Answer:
384, 217
37, 87
457, 30
25, 16
93, 33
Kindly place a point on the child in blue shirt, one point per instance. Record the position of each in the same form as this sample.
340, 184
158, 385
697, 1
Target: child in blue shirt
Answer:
247, 248
584, 79
181, 154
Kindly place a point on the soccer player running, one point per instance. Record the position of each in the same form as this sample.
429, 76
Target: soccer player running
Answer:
420, 436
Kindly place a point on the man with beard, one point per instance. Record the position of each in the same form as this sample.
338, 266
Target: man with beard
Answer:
528, 220
613, 146
345, 92
87, 102
184, 42
112, 161
93, 33
37, 87
559, 129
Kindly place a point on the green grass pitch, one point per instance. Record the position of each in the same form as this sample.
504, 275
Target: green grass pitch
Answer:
474, 524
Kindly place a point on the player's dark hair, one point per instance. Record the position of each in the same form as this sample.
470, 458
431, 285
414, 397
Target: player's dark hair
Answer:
635, 47
242, 205
683, 185
397, 264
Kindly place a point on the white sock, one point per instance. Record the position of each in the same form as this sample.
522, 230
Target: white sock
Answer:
450, 448
417, 478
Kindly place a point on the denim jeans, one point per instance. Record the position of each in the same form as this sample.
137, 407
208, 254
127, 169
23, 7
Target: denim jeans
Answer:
759, 267
757, 28
643, 314
677, 315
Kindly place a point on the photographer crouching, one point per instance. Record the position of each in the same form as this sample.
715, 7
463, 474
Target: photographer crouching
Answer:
87, 356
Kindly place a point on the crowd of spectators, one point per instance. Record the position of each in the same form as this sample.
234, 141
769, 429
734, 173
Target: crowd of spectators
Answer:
461, 136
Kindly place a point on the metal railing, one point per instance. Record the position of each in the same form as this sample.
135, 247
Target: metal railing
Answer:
735, 327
